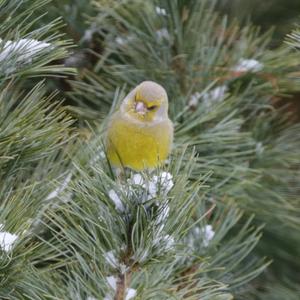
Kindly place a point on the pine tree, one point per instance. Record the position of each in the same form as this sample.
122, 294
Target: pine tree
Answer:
218, 221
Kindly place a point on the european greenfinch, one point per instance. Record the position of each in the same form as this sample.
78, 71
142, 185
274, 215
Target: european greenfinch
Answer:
140, 133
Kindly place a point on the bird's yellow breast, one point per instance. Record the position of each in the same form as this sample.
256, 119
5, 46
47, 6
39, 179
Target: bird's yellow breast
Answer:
138, 146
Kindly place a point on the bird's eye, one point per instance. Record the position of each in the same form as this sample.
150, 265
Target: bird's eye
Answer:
153, 107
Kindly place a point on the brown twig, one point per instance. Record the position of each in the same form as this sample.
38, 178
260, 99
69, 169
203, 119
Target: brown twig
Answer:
122, 284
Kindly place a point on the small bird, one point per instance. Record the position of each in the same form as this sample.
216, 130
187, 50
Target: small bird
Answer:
140, 133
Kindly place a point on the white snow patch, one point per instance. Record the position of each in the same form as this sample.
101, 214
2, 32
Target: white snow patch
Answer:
166, 242
194, 100
98, 157
61, 188
131, 293
163, 214
165, 180
207, 234
137, 179
88, 34
110, 258
160, 11
7, 239
259, 148
112, 281
123, 41
162, 183
22, 49
162, 33
213, 96
113, 261
201, 234
248, 65
116, 200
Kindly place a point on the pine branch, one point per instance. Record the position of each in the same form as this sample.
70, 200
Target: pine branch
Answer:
28, 51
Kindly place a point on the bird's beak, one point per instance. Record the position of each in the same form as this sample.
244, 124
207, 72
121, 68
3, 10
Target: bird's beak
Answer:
140, 107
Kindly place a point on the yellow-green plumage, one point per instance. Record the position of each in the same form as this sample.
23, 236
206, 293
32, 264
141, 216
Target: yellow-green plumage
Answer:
138, 147
140, 140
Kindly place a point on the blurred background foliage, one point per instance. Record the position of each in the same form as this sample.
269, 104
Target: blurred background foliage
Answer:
282, 15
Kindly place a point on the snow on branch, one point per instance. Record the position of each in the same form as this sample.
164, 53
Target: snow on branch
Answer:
144, 190
203, 234
112, 281
218, 93
160, 11
60, 188
248, 65
209, 98
161, 184
6, 239
20, 52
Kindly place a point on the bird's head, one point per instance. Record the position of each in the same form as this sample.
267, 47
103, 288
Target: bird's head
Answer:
146, 103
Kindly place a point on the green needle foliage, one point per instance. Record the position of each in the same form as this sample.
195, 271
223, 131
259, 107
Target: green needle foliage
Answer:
18, 23
218, 221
